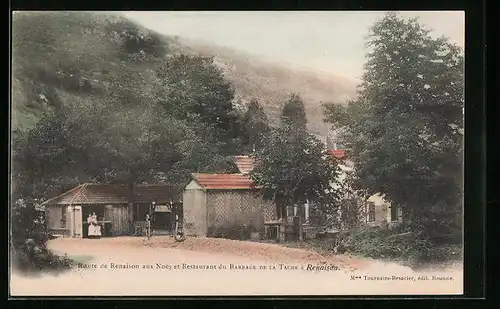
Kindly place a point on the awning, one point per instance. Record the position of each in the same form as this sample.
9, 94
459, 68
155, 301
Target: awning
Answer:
162, 208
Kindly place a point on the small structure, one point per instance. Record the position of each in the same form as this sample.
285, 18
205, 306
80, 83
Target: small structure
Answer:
219, 203
120, 209
245, 164
375, 210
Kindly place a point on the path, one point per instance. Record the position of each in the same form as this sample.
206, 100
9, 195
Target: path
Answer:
197, 253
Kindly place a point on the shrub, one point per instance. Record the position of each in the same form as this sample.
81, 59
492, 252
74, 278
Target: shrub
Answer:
232, 231
32, 258
407, 243
28, 241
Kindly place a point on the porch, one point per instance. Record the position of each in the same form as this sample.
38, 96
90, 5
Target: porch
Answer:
67, 213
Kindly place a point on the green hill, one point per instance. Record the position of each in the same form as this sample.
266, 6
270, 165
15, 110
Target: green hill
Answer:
61, 57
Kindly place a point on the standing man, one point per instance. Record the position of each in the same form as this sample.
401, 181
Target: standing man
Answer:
148, 226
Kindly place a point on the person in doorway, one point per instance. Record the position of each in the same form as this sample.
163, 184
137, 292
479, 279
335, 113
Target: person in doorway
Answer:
97, 227
91, 228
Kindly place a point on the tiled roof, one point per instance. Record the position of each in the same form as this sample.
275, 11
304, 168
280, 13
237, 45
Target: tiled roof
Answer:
337, 153
116, 194
224, 181
245, 164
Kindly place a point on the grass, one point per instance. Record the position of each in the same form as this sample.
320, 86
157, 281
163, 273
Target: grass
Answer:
319, 246
384, 245
81, 258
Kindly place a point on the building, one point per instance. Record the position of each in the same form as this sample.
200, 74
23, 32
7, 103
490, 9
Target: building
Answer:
216, 203
120, 209
373, 210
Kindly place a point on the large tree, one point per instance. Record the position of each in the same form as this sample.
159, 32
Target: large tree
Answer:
195, 85
183, 121
254, 125
195, 89
405, 129
293, 169
294, 112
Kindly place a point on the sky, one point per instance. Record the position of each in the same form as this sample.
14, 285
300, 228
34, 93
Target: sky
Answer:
327, 41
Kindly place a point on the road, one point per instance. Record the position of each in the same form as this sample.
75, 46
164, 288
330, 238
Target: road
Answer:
128, 266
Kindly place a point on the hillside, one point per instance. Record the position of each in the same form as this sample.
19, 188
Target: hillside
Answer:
272, 83
67, 56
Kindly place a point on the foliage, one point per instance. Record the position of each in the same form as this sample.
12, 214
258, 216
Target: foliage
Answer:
194, 85
254, 126
49, 62
405, 130
408, 243
135, 42
28, 240
294, 168
87, 143
234, 231
294, 112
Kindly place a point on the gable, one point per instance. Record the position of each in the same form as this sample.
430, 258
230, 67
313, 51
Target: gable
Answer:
193, 185
245, 164
224, 181
117, 194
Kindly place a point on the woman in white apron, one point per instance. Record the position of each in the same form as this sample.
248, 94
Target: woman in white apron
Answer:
90, 226
97, 227
94, 227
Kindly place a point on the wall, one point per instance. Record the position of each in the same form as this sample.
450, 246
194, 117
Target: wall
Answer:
75, 220
53, 215
120, 219
238, 208
382, 209
194, 211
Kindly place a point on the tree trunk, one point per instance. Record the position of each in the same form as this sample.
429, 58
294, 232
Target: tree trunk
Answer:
301, 231
131, 191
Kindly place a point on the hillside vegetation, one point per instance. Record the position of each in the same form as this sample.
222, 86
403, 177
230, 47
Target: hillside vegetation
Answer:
89, 56
273, 83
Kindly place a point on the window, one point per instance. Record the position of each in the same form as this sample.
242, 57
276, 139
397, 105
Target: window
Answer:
140, 211
394, 213
371, 212
63, 216
162, 220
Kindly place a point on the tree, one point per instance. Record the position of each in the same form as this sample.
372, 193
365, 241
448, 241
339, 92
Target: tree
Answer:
294, 168
405, 129
294, 112
96, 141
195, 90
100, 140
254, 126
195, 85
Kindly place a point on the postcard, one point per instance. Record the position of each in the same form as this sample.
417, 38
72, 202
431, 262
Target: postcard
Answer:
192, 153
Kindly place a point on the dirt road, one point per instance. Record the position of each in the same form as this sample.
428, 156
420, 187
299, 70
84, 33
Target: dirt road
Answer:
203, 266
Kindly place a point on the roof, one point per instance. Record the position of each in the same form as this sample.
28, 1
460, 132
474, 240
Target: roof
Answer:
116, 194
224, 181
337, 153
245, 164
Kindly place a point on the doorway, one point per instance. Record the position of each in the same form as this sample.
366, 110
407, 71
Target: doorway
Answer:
394, 213
87, 211
162, 221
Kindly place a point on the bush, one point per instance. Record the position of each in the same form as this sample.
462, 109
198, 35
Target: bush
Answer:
32, 258
407, 243
28, 241
232, 231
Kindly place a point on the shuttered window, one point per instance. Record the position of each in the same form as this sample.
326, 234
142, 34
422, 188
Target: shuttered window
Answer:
371, 212
394, 213
63, 216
